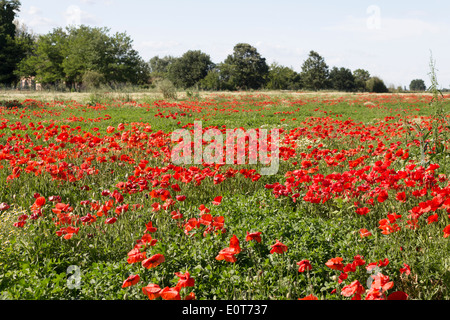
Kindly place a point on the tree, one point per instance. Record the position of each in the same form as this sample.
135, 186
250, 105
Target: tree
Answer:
187, 71
10, 51
361, 77
282, 78
76, 53
342, 79
315, 72
159, 67
47, 58
376, 85
213, 80
417, 85
244, 69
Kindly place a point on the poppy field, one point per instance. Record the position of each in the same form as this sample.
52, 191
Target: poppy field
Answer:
93, 206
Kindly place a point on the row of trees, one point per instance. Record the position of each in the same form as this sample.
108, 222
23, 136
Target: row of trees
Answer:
77, 57
246, 69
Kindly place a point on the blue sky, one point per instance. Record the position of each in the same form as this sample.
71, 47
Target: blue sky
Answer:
390, 40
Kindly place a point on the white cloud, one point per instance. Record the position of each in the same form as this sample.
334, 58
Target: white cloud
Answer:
34, 11
388, 28
75, 16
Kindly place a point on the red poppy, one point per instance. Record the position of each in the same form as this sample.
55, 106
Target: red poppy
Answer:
406, 270
335, 264
111, 220
354, 288
310, 297
254, 236
227, 254
4, 206
180, 198
278, 247
136, 255
433, 218
40, 202
170, 293
131, 281
185, 280
364, 233
150, 228
152, 291
190, 296
153, 261
398, 295
447, 231
217, 201
304, 265
362, 211
234, 244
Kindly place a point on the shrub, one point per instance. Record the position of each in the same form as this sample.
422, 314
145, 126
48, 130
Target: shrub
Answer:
167, 89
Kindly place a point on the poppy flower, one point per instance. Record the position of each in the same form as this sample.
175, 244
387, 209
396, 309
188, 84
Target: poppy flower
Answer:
153, 261
433, 218
170, 293
150, 228
136, 255
447, 231
304, 265
278, 247
362, 211
152, 291
364, 233
190, 296
185, 280
406, 270
40, 202
310, 297
335, 264
398, 295
354, 288
4, 206
180, 198
253, 236
382, 282
227, 254
131, 281
217, 201
234, 244
111, 220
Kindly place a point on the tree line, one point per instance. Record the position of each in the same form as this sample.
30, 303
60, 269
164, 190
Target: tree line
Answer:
86, 57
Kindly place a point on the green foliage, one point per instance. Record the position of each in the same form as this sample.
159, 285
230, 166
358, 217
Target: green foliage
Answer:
282, 78
361, 77
417, 85
315, 72
376, 85
66, 55
92, 80
192, 67
244, 69
167, 88
342, 79
212, 81
11, 50
159, 67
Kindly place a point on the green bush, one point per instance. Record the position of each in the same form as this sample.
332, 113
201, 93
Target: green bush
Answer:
167, 88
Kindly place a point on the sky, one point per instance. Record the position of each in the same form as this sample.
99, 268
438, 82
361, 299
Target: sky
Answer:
393, 40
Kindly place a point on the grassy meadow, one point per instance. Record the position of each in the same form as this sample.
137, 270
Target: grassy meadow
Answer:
93, 207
